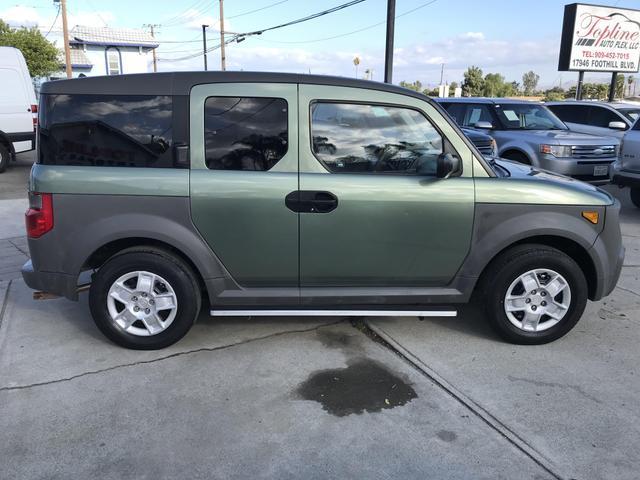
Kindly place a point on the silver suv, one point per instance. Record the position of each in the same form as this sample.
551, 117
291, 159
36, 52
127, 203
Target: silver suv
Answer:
530, 133
626, 171
596, 118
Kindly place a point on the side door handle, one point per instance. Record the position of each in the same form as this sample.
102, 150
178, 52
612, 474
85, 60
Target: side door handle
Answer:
311, 201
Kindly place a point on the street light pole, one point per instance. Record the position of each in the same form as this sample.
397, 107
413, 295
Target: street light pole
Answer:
204, 45
388, 57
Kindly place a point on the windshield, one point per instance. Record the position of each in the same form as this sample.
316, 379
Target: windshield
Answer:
631, 113
524, 116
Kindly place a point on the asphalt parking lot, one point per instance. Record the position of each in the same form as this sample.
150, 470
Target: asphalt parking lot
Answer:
315, 398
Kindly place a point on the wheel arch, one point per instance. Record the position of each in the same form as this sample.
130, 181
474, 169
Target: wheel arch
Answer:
570, 247
99, 256
511, 149
5, 141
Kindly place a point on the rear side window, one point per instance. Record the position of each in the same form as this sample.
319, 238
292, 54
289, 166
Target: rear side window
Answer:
571, 113
383, 139
106, 130
475, 114
601, 117
245, 133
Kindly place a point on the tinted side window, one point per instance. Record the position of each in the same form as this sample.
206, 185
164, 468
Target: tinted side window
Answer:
106, 130
601, 117
360, 138
477, 113
571, 113
456, 111
243, 133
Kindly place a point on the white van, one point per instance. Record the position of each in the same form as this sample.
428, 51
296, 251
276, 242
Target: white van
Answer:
18, 107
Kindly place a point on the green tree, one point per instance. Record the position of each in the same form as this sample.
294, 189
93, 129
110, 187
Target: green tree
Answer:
452, 88
473, 84
40, 54
530, 82
496, 86
554, 94
417, 85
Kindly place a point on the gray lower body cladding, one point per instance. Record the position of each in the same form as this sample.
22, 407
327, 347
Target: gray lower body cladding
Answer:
86, 223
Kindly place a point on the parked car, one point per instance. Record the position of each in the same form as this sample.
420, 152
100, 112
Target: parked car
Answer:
626, 171
596, 118
485, 144
17, 106
285, 194
530, 133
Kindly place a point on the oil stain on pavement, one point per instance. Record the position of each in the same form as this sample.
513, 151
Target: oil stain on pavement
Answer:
363, 386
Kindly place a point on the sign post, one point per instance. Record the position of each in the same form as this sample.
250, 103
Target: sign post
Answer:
599, 39
579, 87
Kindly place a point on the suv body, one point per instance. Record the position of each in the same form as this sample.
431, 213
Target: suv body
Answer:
626, 171
530, 133
17, 106
596, 118
285, 194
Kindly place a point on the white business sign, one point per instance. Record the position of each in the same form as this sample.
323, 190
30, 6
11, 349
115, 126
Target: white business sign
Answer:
600, 39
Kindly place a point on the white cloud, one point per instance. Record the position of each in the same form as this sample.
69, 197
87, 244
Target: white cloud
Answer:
472, 36
19, 16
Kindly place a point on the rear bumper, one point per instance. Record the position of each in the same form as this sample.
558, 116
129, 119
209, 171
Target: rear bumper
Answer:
581, 169
60, 284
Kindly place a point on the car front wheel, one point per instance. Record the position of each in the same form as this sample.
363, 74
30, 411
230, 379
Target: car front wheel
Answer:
534, 294
144, 299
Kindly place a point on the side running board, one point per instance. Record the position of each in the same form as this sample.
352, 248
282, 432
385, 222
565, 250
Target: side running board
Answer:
333, 313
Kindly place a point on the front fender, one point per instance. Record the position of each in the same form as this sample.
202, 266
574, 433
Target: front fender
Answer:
499, 226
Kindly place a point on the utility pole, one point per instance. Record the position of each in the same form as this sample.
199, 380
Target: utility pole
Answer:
441, 73
65, 34
223, 60
153, 51
388, 57
204, 45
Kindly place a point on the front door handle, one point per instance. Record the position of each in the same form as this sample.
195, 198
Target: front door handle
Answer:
311, 201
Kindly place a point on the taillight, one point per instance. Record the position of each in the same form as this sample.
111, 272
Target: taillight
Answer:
34, 114
39, 217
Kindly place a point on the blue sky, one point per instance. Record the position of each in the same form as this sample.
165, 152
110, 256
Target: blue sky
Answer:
508, 37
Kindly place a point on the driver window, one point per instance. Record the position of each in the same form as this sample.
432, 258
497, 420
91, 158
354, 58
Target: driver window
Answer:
360, 138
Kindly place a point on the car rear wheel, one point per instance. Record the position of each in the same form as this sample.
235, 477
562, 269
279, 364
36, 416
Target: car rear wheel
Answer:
534, 294
144, 299
4, 158
635, 196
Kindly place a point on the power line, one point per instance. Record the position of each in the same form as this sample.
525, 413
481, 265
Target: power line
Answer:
257, 9
54, 22
239, 37
304, 19
353, 31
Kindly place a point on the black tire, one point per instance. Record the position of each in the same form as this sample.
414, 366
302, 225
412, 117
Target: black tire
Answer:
4, 158
173, 270
516, 262
517, 156
634, 193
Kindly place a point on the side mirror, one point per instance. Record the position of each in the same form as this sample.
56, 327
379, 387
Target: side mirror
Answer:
447, 165
483, 124
617, 125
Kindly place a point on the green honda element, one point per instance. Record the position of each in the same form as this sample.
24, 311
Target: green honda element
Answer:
283, 194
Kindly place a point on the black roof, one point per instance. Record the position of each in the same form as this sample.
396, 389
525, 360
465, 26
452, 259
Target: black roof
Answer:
180, 83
